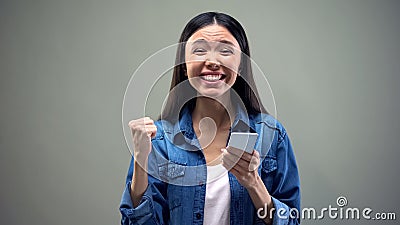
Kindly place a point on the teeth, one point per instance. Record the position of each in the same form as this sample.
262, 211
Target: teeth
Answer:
212, 77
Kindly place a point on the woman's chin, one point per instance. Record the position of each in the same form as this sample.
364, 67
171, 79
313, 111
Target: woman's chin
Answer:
211, 93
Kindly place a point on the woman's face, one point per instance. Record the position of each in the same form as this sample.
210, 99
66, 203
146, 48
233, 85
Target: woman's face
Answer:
212, 57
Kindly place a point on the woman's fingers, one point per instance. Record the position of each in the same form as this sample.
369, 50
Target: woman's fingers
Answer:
236, 172
140, 122
151, 130
230, 165
144, 124
245, 162
150, 127
239, 153
233, 159
142, 130
255, 161
243, 168
147, 120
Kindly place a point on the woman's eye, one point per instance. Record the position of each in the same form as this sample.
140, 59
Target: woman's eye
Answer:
199, 51
226, 51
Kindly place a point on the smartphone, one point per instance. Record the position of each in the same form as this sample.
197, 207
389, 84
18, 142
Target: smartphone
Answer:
244, 141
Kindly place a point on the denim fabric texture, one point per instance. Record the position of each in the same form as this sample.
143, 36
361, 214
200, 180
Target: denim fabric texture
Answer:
178, 173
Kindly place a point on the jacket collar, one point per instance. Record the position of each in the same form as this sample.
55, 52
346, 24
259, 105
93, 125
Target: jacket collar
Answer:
243, 122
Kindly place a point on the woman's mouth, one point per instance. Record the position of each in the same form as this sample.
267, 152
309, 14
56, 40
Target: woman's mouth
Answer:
212, 77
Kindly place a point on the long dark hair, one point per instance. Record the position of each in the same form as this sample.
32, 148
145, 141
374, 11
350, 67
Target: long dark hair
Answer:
244, 85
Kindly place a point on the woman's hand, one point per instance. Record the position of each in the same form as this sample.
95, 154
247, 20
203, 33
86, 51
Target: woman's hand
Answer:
142, 130
242, 165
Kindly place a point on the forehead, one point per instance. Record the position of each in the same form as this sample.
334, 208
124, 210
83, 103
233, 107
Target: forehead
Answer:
214, 33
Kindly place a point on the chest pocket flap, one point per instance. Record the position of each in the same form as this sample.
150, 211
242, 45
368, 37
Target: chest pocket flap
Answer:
269, 164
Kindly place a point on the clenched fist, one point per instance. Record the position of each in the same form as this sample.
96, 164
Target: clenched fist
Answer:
143, 130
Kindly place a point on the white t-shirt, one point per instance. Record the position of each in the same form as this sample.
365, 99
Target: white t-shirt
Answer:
218, 196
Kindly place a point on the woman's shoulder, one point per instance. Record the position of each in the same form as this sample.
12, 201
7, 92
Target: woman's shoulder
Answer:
269, 121
165, 127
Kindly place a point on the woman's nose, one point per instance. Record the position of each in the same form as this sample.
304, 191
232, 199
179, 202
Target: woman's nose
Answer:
213, 64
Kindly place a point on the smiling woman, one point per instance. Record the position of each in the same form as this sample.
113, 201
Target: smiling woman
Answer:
213, 55
182, 171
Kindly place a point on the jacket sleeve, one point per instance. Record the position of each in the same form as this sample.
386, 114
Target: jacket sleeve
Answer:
153, 207
282, 180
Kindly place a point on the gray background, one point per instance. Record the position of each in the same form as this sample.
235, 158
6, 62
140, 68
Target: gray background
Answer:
333, 67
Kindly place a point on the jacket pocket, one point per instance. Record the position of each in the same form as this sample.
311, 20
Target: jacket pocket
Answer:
269, 164
268, 170
171, 172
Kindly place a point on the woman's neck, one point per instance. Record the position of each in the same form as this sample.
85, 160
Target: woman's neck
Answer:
220, 111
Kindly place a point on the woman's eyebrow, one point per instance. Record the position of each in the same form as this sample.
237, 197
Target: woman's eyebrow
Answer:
200, 41
226, 42
203, 41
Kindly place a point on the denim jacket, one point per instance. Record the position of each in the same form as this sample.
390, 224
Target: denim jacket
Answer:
178, 173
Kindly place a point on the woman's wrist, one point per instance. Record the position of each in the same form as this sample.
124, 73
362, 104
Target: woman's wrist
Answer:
261, 198
141, 160
256, 184
139, 183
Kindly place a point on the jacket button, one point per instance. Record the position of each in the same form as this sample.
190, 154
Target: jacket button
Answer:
198, 215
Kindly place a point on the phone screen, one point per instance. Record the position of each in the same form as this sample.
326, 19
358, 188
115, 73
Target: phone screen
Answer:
244, 141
